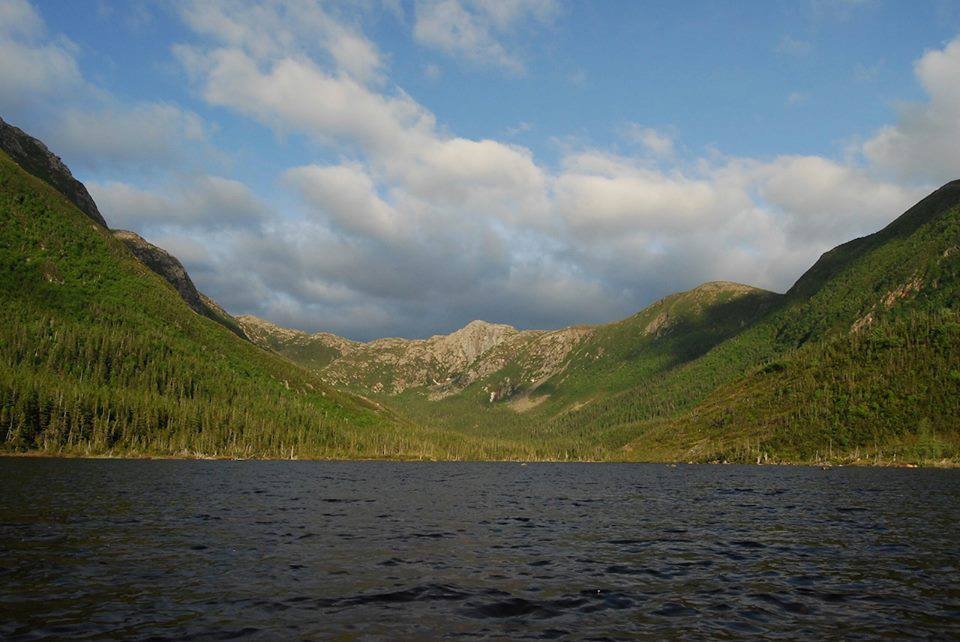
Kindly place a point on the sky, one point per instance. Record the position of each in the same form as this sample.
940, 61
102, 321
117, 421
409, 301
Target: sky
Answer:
401, 167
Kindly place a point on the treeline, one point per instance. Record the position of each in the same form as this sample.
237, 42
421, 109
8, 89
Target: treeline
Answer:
77, 388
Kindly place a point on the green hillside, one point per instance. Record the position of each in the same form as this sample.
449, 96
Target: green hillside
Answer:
100, 355
868, 365
568, 413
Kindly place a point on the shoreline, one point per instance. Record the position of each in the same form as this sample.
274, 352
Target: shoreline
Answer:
942, 464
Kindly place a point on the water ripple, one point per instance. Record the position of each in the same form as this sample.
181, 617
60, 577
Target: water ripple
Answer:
315, 550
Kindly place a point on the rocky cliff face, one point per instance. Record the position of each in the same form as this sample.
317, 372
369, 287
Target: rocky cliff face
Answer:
164, 264
524, 368
35, 158
394, 365
171, 269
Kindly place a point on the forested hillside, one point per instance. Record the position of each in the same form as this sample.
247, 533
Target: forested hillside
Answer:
106, 347
99, 355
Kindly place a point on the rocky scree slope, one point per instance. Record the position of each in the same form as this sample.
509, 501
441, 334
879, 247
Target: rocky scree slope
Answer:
443, 363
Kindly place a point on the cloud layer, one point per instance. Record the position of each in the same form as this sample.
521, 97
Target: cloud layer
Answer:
411, 229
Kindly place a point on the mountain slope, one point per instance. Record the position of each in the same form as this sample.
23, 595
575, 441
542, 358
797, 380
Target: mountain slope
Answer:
860, 355
102, 351
312, 351
874, 368
99, 355
172, 271
36, 159
539, 388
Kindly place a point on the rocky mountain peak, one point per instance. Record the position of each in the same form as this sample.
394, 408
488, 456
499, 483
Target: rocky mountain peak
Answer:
475, 338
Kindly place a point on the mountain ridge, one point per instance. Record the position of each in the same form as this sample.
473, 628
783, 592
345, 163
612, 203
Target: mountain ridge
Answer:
101, 353
31, 154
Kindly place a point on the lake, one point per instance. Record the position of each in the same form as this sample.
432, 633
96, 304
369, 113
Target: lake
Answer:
314, 550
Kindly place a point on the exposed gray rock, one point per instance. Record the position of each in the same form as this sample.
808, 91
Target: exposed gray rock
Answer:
166, 265
33, 156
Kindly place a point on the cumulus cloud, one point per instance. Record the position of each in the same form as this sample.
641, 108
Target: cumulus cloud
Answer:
275, 29
416, 230
401, 226
43, 90
33, 65
478, 30
137, 135
345, 197
822, 201
204, 202
922, 144
18, 18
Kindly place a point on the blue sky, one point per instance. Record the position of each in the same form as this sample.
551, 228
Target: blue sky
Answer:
400, 168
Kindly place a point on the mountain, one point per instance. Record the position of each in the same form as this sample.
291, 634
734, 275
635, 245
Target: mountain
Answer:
867, 360
98, 354
312, 351
506, 384
106, 346
36, 159
172, 271
858, 359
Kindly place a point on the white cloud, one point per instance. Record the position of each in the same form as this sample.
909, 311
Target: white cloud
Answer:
415, 223
274, 30
203, 202
42, 90
298, 94
656, 142
922, 144
33, 66
19, 19
405, 227
141, 134
823, 201
345, 197
479, 31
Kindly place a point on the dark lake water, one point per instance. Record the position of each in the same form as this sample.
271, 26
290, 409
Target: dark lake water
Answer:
373, 550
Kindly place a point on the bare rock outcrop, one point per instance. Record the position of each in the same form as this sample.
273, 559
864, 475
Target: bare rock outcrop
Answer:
166, 265
33, 156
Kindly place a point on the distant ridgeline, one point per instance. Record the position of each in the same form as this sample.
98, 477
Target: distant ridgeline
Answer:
107, 347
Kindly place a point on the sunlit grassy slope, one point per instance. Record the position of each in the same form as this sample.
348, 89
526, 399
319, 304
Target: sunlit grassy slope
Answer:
865, 358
